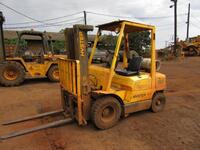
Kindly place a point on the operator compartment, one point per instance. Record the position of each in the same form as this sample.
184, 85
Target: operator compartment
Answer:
124, 67
130, 69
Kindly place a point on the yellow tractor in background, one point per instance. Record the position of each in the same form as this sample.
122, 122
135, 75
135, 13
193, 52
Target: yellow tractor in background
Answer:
100, 93
191, 47
26, 62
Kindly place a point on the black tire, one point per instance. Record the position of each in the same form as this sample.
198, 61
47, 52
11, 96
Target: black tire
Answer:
158, 102
11, 73
51, 73
105, 112
193, 51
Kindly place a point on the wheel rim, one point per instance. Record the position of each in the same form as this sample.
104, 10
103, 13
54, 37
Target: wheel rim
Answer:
108, 113
56, 74
10, 74
158, 102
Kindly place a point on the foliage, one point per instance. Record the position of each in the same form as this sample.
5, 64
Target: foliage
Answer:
140, 42
58, 46
107, 42
13, 41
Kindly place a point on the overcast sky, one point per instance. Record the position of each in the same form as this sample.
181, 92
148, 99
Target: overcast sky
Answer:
132, 9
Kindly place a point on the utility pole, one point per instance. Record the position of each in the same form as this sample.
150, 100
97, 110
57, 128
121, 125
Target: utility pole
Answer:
2, 46
175, 24
188, 23
85, 17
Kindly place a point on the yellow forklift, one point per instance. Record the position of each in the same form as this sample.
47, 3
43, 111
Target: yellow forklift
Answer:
26, 62
100, 93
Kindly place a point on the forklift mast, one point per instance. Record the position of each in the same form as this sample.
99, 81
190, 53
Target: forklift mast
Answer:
2, 46
76, 46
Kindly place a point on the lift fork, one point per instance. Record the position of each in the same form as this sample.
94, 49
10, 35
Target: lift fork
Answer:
66, 120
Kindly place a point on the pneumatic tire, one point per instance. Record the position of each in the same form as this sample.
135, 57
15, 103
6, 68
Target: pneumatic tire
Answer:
105, 112
158, 102
11, 73
53, 73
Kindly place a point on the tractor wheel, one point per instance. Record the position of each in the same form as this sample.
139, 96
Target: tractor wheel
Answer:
105, 112
193, 51
158, 102
11, 73
53, 73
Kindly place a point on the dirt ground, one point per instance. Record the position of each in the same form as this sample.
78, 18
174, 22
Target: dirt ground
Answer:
177, 127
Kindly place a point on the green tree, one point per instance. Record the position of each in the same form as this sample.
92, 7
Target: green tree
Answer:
140, 42
14, 42
58, 47
108, 41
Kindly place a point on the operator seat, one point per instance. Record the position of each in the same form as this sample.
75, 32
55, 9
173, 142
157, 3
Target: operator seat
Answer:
133, 67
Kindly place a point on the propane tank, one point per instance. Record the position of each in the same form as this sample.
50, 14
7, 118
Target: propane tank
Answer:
146, 64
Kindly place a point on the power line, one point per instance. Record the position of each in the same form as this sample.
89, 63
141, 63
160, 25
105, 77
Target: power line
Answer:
54, 23
101, 14
20, 13
195, 25
44, 26
108, 15
170, 24
195, 18
46, 20
69, 20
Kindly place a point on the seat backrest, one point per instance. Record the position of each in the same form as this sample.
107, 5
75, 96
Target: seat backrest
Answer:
134, 64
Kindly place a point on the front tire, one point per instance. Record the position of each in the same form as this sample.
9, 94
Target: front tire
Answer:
53, 73
106, 112
158, 102
11, 73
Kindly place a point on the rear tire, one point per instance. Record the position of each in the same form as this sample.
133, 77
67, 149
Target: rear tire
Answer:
53, 73
193, 51
158, 102
11, 73
106, 112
